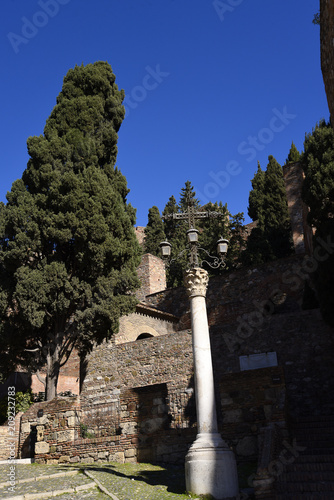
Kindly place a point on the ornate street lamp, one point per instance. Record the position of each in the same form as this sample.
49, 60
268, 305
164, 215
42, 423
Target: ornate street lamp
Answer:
210, 465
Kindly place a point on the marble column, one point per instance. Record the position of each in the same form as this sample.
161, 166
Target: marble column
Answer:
210, 466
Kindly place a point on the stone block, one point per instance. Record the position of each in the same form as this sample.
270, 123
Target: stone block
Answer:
70, 413
40, 432
130, 453
129, 427
42, 447
63, 436
52, 461
71, 421
87, 460
64, 459
25, 427
43, 420
131, 460
102, 454
74, 460
247, 446
117, 457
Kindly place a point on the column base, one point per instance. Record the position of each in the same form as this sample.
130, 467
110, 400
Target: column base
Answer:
211, 469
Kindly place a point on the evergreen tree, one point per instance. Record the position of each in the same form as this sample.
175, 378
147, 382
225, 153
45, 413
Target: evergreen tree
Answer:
318, 194
293, 155
268, 205
175, 230
256, 196
188, 195
210, 230
154, 232
68, 251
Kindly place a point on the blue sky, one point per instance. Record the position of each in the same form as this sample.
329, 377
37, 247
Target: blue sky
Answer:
212, 87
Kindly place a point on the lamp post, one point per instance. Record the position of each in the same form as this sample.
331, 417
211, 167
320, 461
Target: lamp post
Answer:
210, 465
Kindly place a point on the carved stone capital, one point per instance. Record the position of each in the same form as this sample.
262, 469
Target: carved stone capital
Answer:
196, 282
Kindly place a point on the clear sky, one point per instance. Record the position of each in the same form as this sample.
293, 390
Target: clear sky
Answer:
212, 86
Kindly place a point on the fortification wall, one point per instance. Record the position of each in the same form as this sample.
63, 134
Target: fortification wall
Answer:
327, 54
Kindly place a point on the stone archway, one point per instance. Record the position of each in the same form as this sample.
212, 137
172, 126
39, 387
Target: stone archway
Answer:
144, 336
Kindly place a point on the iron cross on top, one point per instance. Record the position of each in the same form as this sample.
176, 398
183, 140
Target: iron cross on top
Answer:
191, 215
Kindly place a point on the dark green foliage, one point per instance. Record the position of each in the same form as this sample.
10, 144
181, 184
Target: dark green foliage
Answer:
257, 195
210, 230
258, 249
188, 195
293, 155
268, 205
228, 226
23, 400
318, 194
68, 251
154, 232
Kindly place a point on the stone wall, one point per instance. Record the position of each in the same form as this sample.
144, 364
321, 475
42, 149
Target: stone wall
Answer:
152, 275
47, 425
154, 423
250, 400
327, 55
145, 362
9, 439
240, 292
301, 232
144, 431
145, 322
250, 311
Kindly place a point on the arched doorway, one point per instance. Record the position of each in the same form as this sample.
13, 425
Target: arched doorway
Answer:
144, 336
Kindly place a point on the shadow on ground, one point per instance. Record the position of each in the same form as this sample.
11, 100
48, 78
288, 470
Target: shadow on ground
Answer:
170, 476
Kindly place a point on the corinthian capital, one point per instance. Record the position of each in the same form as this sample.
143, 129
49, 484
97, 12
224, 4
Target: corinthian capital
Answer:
196, 282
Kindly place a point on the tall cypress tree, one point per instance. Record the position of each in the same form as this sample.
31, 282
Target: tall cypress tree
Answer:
188, 195
276, 223
268, 206
154, 232
318, 194
68, 251
256, 196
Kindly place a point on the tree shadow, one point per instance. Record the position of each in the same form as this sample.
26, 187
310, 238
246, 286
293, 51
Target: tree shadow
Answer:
172, 476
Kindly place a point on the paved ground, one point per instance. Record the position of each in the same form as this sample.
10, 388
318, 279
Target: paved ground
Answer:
93, 482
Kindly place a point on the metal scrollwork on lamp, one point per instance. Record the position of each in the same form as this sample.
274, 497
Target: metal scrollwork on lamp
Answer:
192, 238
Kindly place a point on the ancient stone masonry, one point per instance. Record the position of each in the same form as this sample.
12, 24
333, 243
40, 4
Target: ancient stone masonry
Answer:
46, 425
152, 275
301, 231
9, 439
250, 311
327, 52
145, 322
